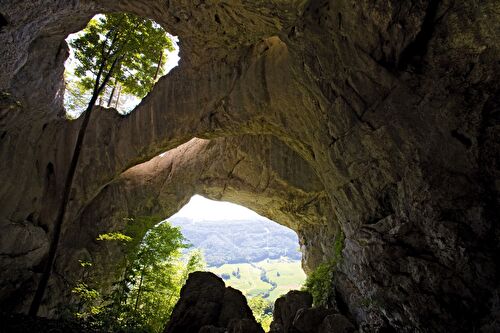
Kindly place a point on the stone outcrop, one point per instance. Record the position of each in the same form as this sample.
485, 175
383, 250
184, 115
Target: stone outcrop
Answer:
286, 307
293, 313
373, 121
207, 305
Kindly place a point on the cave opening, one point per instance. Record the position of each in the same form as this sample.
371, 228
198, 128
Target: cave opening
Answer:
249, 252
118, 57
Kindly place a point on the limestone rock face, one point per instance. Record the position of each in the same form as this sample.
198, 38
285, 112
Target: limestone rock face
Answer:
286, 307
376, 122
206, 305
336, 323
293, 313
309, 320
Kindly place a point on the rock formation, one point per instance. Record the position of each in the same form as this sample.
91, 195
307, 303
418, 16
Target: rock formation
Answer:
206, 305
373, 121
293, 314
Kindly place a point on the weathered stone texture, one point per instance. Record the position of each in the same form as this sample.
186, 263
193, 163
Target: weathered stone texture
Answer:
293, 313
206, 305
379, 119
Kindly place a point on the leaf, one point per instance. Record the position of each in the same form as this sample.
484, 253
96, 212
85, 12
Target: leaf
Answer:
136, 42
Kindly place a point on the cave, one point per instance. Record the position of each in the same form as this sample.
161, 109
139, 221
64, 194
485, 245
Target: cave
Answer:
372, 122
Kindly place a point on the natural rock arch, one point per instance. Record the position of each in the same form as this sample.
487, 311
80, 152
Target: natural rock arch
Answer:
252, 172
392, 106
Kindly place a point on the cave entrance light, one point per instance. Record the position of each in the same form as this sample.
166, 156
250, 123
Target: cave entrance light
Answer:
128, 86
249, 252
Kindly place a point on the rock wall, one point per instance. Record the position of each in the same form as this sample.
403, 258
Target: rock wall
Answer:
380, 119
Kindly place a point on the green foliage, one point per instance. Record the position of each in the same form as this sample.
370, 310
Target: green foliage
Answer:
85, 263
154, 274
85, 292
338, 246
196, 262
126, 49
114, 236
76, 96
262, 311
160, 245
241, 241
320, 282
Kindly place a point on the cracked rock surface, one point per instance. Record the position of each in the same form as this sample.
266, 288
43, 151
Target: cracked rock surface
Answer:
373, 121
207, 305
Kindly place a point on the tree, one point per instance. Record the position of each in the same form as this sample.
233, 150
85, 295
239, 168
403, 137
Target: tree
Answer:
160, 248
262, 310
144, 299
119, 46
157, 275
140, 45
76, 96
196, 262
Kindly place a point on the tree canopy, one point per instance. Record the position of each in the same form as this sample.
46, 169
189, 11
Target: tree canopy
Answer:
156, 268
122, 47
127, 50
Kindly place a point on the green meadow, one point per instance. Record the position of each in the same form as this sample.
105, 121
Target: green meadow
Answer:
269, 278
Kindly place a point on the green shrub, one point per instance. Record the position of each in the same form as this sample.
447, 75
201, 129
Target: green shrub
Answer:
262, 310
154, 272
320, 282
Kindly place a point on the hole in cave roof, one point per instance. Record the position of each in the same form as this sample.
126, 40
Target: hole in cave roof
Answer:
130, 81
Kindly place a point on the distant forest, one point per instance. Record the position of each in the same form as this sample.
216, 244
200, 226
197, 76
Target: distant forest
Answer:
239, 241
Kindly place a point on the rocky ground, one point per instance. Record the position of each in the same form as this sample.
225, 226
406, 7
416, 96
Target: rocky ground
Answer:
18, 323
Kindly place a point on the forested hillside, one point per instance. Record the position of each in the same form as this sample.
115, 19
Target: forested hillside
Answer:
239, 241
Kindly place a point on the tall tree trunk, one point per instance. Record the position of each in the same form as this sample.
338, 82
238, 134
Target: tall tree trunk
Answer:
139, 291
118, 96
112, 94
56, 233
160, 60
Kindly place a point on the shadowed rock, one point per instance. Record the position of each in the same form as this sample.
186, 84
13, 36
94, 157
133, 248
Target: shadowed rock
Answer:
286, 307
336, 323
375, 122
206, 305
293, 314
309, 320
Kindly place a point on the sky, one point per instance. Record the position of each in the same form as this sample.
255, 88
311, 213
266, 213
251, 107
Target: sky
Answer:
200, 208
173, 57
130, 102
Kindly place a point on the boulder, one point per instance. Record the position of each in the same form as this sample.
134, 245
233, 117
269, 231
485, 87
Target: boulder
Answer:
285, 309
336, 323
206, 305
244, 325
211, 329
234, 305
308, 320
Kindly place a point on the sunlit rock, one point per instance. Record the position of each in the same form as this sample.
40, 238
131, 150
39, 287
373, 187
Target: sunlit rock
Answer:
371, 122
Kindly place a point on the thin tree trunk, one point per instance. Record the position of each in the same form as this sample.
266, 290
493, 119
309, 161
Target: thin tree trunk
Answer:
118, 96
158, 68
112, 94
139, 290
171, 295
56, 234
